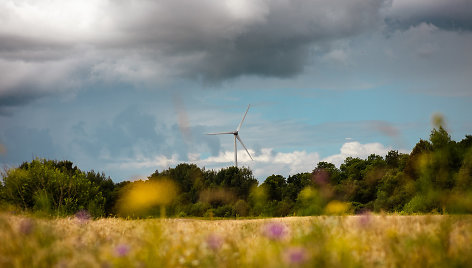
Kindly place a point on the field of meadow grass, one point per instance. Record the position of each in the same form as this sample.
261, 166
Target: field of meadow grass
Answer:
367, 240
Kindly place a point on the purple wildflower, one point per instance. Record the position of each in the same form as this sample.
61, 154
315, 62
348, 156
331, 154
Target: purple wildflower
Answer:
321, 177
214, 242
295, 255
365, 219
275, 231
26, 226
122, 250
82, 216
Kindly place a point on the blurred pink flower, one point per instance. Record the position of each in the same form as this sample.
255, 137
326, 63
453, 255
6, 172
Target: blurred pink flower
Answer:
26, 226
82, 216
122, 250
321, 177
275, 231
365, 218
295, 255
214, 241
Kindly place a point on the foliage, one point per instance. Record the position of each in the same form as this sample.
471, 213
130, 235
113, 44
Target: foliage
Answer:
436, 177
52, 187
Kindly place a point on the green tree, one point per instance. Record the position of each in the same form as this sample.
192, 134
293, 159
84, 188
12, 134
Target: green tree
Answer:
421, 150
52, 186
392, 159
186, 176
330, 170
295, 184
309, 202
238, 180
275, 187
394, 191
439, 138
106, 186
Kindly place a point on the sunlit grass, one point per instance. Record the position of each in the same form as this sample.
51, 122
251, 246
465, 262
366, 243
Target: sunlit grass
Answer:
326, 241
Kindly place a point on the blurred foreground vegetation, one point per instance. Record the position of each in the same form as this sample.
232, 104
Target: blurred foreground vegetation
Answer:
436, 177
325, 241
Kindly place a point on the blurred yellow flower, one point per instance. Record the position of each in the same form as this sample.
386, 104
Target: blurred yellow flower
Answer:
143, 195
337, 208
308, 193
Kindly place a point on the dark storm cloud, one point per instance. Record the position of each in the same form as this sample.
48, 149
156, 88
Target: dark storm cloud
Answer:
453, 15
24, 81
20, 97
268, 38
57, 46
15, 47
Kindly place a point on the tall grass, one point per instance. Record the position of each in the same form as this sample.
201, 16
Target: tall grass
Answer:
324, 241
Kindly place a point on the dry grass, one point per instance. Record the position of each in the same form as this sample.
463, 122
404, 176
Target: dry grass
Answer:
326, 241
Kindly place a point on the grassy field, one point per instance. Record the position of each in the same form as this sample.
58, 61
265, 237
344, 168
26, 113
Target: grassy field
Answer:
324, 241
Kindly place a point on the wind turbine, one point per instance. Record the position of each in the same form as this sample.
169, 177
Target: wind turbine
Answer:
236, 136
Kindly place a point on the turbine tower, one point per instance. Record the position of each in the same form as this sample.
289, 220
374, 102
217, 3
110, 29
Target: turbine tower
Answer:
236, 136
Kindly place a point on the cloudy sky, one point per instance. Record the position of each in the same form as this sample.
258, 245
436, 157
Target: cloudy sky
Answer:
130, 86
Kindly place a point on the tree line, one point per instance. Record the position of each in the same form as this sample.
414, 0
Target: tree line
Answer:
436, 177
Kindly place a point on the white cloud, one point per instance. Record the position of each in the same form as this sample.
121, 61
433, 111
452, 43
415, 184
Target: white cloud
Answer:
356, 149
159, 161
52, 19
266, 163
246, 9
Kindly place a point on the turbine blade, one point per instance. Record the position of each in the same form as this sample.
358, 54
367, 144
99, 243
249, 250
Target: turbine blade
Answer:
240, 124
239, 139
218, 133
